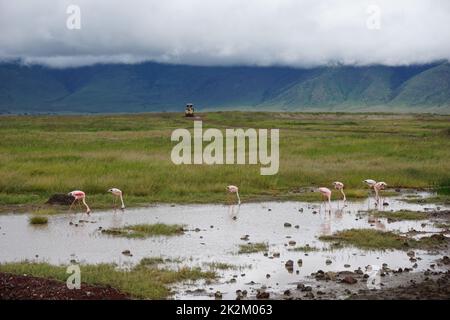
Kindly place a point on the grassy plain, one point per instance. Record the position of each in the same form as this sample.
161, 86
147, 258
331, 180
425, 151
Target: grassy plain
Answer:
42, 155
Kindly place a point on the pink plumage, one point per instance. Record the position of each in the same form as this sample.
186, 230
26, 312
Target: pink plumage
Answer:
77, 194
325, 192
234, 189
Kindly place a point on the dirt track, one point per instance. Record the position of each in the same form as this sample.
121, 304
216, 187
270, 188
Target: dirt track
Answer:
19, 287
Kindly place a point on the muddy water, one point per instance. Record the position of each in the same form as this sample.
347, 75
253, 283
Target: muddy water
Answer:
217, 241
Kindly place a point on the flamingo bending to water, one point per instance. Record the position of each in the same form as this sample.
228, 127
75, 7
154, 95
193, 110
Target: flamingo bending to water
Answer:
117, 193
234, 189
340, 186
79, 196
378, 187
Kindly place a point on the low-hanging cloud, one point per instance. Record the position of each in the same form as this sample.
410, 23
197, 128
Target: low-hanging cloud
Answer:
297, 33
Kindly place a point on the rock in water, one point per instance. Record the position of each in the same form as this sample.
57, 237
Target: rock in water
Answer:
349, 280
262, 294
127, 253
289, 264
61, 199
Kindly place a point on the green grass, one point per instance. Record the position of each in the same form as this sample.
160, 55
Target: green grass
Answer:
438, 199
222, 266
401, 215
253, 247
442, 225
38, 220
152, 261
145, 230
42, 155
379, 240
142, 281
305, 248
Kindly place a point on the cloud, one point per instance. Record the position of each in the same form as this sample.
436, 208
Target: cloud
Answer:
227, 32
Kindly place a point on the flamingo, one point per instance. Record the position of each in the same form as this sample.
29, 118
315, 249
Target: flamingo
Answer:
378, 187
340, 186
117, 193
370, 182
234, 189
79, 196
326, 195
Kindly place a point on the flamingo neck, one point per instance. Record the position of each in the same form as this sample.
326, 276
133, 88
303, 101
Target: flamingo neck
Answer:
342, 191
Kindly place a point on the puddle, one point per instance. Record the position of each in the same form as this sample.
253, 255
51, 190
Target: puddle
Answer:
217, 241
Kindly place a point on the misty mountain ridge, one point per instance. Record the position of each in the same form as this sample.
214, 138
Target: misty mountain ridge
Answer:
147, 87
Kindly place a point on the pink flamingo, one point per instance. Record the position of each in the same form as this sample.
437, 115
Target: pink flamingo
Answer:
79, 196
117, 193
340, 186
378, 187
234, 189
326, 195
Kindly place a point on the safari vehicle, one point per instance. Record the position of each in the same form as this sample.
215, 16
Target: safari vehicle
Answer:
189, 112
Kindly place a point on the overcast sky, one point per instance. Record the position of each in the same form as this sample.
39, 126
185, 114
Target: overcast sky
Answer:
227, 32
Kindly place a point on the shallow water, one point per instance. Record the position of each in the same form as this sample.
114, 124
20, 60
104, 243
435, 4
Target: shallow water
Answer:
217, 241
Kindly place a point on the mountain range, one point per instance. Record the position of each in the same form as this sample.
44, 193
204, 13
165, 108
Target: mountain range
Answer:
108, 88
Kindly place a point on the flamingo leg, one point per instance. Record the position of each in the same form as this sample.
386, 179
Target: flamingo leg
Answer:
70, 208
239, 199
121, 200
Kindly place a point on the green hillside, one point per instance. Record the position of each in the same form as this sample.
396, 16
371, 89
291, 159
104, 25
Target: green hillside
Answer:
161, 87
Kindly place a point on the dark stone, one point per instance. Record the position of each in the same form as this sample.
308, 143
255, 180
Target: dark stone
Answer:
127, 253
61, 199
300, 286
287, 225
411, 254
349, 280
262, 295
